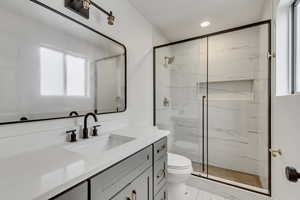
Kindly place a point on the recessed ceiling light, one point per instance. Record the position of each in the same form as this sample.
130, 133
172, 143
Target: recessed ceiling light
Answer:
205, 24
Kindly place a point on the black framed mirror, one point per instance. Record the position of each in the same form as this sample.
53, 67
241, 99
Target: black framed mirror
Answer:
53, 66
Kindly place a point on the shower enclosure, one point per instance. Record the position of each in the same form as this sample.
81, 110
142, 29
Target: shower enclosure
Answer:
213, 93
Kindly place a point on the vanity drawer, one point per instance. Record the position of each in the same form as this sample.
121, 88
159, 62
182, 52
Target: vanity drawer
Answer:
160, 148
79, 192
162, 194
139, 189
160, 174
104, 185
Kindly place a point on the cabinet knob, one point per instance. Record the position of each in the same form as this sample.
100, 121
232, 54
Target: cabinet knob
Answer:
161, 148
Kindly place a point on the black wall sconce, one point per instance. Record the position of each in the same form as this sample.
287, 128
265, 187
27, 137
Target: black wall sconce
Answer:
82, 7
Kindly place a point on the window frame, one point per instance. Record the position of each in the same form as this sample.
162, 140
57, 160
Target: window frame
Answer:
294, 39
41, 48
86, 77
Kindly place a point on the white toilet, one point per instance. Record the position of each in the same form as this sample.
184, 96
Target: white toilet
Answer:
179, 170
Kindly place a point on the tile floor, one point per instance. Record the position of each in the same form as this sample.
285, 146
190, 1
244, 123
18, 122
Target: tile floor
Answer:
196, 194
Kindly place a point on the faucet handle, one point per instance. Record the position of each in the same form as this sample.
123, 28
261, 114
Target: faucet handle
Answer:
95, 131
72, 135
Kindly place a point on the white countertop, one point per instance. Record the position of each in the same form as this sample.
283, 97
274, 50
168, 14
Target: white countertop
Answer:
42, 174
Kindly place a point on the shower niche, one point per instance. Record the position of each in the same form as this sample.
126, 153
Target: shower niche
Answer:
218, 87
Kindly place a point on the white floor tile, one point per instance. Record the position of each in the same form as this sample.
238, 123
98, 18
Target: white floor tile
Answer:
192, 193
195, 194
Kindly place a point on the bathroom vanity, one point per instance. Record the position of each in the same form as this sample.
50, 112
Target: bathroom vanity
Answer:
125, 164
141, 176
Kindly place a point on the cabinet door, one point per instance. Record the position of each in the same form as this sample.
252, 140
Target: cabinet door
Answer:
142, 187
162, 194
160, 174
139, 189
160, 148
124, 194
105, 185
79, 192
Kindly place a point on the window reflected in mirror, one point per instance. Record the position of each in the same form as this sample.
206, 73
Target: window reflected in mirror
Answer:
51, 66
63, 74
76, 73
52, 72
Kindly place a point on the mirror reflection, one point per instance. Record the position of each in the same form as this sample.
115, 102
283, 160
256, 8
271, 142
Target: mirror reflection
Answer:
52, 67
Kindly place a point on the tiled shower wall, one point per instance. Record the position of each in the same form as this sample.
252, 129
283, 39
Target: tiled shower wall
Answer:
237, 99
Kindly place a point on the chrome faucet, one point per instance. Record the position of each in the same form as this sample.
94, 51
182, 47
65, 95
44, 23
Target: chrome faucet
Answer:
85, 131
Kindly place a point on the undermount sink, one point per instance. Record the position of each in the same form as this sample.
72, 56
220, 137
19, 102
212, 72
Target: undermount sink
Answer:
100, 144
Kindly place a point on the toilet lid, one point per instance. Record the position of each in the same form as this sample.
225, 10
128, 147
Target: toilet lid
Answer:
176, 161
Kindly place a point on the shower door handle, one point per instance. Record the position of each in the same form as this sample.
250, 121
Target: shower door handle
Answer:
203, 132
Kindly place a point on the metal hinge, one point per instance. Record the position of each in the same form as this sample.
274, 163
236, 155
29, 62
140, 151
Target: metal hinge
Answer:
271, 55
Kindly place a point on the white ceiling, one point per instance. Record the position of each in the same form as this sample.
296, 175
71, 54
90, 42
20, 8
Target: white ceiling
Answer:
180, 19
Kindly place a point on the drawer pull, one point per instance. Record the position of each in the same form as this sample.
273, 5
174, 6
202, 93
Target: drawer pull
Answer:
161, 148
133, 195
162, 173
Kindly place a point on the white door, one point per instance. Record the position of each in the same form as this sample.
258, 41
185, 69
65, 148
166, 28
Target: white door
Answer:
285, 112
286, 136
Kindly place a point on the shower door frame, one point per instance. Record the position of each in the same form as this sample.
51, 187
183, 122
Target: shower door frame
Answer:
265, 22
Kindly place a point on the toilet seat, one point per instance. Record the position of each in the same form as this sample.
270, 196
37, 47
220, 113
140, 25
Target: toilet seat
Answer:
179, 164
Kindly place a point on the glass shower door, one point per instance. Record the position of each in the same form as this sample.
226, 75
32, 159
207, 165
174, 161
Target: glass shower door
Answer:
213, 94
238, 108
180, 98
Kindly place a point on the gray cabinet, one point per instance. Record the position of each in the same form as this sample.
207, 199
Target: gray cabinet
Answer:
142, 176
162, 194
79, 192
160, 171
160, 149
160, 174
124, 194
139, 189
110, 182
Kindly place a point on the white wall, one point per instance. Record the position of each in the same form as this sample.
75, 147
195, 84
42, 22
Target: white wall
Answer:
137, 34
158, 38
286, 115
